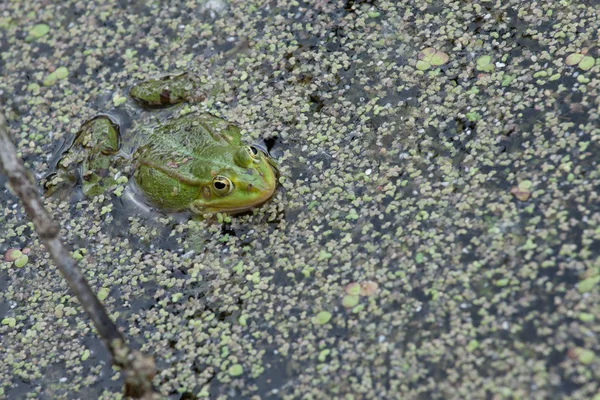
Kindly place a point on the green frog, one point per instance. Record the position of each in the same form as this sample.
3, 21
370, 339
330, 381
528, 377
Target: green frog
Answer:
195, 161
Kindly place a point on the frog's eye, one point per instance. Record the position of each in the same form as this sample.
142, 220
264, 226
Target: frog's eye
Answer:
253, 152
222, 185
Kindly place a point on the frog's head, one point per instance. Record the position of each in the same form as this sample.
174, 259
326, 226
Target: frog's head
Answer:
248, 182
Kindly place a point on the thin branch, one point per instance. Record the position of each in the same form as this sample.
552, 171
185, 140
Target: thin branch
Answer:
138, 368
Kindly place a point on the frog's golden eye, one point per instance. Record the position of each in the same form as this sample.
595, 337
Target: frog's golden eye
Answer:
254, 153
222, 185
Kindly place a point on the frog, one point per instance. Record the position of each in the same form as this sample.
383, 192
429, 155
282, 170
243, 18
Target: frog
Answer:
192, 161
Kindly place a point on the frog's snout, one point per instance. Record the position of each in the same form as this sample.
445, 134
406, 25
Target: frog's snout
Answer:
262, 185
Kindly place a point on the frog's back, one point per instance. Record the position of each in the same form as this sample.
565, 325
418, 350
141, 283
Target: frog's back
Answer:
190, 148
195, 136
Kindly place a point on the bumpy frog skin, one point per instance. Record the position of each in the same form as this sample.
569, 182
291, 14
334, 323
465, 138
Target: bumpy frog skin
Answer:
199, 162
195, 161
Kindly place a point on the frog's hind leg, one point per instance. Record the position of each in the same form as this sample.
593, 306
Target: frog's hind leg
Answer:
88, 158
168, 90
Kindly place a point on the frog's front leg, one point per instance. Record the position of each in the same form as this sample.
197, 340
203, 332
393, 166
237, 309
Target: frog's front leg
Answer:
89, 158
168, 90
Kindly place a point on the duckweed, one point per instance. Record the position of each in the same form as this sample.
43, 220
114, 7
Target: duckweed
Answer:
485, 64
429, 57
37, 32
584, 62
322, 318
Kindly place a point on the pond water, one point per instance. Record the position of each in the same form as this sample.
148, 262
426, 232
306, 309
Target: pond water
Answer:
435, 233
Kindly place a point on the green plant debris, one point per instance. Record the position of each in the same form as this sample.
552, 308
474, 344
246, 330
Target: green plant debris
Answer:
21, 261
584, 62
485, 64
236, 370
58, 74
37, 32
429, 57
103, 293
350, 301
322, 318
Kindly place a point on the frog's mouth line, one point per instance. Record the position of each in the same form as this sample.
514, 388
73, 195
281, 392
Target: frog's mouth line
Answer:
246, 207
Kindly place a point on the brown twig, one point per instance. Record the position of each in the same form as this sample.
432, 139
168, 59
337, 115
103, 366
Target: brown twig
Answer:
138, 368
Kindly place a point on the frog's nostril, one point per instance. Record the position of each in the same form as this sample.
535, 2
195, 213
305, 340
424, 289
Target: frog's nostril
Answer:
250, 186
